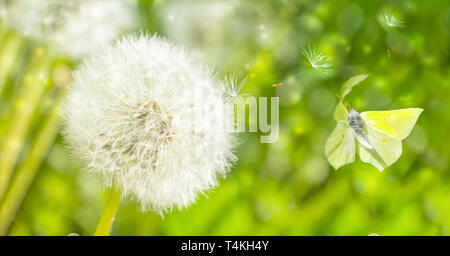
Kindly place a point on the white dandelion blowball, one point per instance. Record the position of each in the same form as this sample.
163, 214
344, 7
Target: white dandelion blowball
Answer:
71, 27
151, 121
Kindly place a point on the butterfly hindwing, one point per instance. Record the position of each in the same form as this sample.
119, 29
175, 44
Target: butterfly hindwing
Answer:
385, 152
397, 124
340, 146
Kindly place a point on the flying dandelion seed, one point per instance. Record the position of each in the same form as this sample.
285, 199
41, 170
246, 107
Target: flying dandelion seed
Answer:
127, 117
72, 28
317, 60
390, 20
289, 80
278, 84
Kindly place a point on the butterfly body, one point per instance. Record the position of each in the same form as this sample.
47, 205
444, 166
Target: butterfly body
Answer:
356, 122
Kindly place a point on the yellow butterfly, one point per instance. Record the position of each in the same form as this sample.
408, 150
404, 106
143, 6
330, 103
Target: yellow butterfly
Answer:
376, 135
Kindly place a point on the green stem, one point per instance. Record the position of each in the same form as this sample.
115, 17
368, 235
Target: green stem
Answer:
27, 171
9, 54
28, 97
109, 212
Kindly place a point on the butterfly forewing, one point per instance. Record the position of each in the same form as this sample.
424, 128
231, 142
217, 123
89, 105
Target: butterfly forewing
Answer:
397, 124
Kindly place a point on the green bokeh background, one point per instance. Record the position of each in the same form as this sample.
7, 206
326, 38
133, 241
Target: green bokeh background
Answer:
285, 188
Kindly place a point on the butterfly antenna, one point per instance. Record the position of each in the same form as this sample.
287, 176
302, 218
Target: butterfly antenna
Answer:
363, 105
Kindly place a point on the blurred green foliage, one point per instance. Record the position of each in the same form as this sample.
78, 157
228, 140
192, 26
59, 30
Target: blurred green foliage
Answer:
285, 188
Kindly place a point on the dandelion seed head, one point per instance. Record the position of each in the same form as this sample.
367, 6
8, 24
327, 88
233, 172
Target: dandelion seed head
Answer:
390, 20
128, 117
73, 27
317, 60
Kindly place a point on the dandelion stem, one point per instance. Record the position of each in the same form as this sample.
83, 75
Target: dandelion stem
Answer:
9, 53
27, 171
109, 212
28, 97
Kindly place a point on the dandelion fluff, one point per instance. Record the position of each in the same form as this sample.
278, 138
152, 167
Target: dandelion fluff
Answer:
317, 60
71, 27
389, 19
130, 116
234, 85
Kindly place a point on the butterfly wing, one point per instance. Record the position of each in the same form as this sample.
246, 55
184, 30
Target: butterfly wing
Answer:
397, 124
340, 146
385, 152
